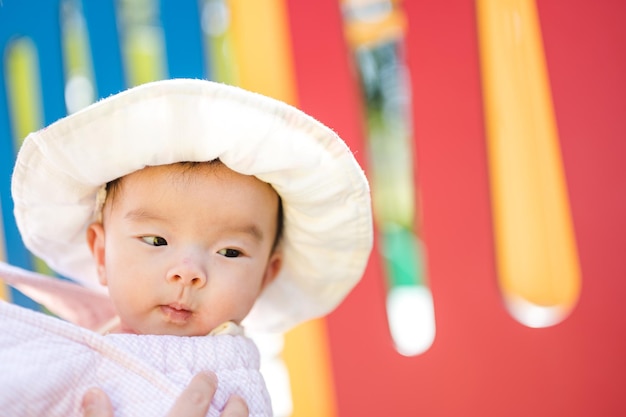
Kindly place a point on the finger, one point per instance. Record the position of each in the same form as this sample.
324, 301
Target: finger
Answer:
235, 407
96, 404
196, 398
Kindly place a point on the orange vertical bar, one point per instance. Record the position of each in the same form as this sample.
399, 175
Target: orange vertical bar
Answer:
308, 359
260, 34
535, 245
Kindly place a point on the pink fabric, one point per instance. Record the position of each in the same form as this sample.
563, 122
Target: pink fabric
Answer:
83, 306
47, 364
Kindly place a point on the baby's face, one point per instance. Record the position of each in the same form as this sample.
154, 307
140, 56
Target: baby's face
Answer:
182, 251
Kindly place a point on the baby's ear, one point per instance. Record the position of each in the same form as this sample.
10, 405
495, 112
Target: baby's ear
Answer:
95, 240
274, 265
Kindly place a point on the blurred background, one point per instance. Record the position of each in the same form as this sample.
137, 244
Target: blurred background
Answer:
493, 133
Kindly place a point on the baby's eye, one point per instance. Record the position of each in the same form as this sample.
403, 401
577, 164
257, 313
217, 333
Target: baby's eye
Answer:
229, 253
154, 240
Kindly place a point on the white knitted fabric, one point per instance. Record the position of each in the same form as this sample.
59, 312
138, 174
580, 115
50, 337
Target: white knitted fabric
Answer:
46, 365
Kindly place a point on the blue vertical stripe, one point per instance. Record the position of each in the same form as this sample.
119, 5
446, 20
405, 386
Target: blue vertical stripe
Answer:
106, 54
183, 39
17, 19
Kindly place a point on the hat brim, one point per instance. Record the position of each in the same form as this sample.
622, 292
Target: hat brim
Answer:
326, 201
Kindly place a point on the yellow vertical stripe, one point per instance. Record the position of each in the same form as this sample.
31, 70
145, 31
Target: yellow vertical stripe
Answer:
142, 42
262, 51
535, 245
218, 42
4, 292
23, 88
24, 96
260, 34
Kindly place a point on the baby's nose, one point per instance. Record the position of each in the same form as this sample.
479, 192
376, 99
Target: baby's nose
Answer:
189, 273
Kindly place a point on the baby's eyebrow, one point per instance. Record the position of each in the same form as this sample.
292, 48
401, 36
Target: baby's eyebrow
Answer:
248, 229
142, 215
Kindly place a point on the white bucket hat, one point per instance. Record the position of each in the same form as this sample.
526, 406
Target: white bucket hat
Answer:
327, 211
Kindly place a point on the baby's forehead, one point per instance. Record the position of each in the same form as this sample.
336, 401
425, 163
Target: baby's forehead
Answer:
181, 174
179, 171
182, 168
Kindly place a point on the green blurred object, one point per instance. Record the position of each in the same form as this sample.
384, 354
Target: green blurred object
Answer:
384, 82
404, 257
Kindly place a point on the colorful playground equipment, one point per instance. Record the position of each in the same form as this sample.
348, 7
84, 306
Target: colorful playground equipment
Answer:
492, 132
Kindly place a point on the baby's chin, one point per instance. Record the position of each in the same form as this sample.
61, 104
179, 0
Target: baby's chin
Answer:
165, 329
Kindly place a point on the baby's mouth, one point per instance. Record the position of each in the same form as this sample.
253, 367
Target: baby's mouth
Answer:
176, 313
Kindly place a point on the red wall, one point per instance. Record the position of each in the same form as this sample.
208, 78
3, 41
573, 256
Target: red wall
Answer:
483, 363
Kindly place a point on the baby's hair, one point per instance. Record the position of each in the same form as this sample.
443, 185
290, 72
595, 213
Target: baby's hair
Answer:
113, 187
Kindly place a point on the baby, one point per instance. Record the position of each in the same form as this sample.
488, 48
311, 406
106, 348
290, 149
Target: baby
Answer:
186, 248
207, 209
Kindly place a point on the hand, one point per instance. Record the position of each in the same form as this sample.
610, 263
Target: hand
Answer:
193, 402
